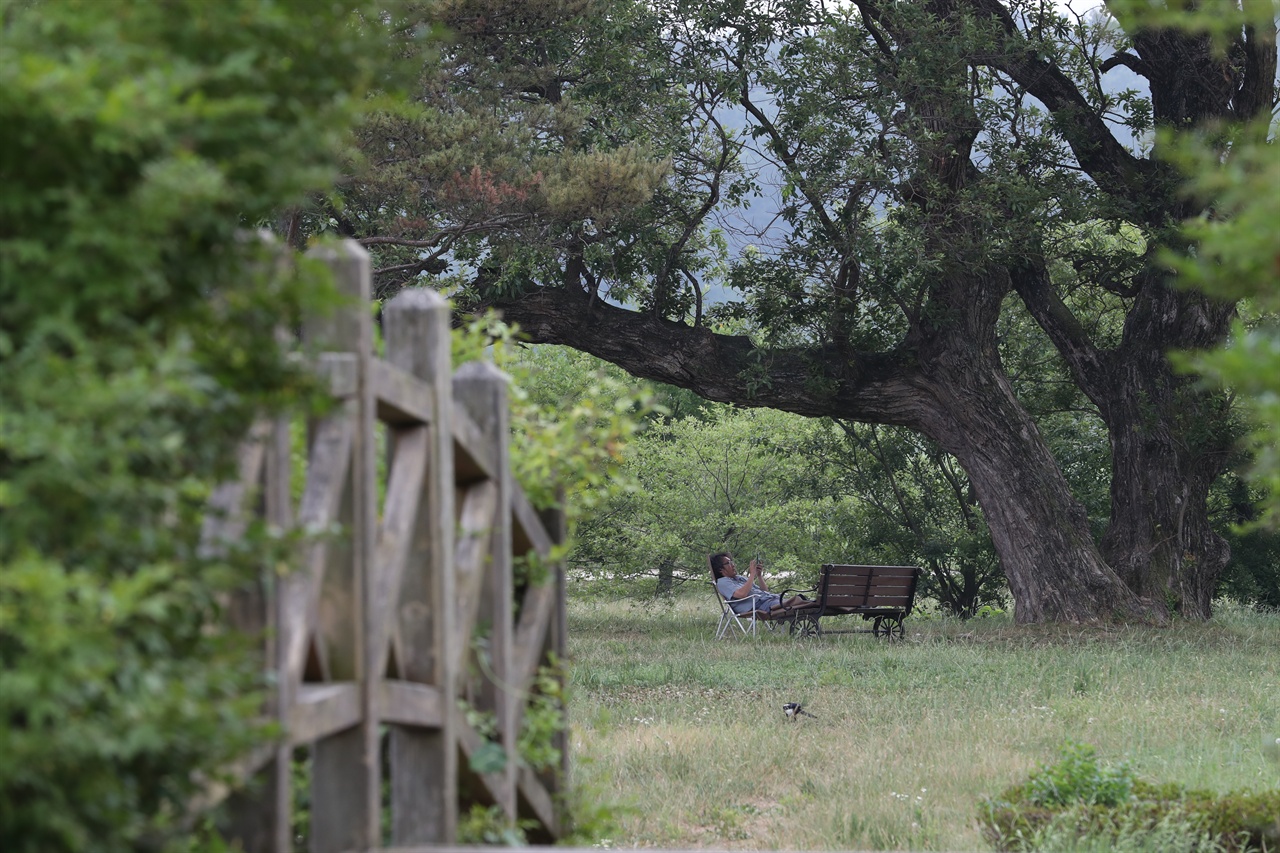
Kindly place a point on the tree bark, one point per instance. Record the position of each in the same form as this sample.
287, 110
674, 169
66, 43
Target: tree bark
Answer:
666, 577
1169, 441
1040, 531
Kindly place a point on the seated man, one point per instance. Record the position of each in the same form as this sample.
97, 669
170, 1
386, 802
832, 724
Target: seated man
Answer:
738, 590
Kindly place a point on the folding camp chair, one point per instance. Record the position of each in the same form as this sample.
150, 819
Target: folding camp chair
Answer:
730, 618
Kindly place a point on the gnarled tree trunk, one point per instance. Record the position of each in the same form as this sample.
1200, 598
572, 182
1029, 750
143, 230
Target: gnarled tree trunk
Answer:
1169, 441
1040, 531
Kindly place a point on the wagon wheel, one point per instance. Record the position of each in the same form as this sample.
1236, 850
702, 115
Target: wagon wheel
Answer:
805, 627
888, 627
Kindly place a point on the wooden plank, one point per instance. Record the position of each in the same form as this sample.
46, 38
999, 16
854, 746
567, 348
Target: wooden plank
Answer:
339, 370
528, 532
535, 617
480, 389
224, 520
346, 778
424, 762
838, 568
475, 522
275, 798
330, 460
410, 704
895, 588
894, 601
419, 782
557, 640
473, 457
338, 779
402, 398
321, 710
495, 784
399, 515
337, 616
535, 799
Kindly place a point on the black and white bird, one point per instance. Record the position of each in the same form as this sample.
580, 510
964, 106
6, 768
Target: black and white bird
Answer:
795, 709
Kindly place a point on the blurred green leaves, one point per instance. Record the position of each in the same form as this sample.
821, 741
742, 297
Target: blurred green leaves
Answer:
143, 142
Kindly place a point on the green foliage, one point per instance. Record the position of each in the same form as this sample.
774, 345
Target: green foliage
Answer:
592, 820
1252, 577
110, 695
523, 138
571, 416
1078, 778
731, 480
136, 346
917, 508
799, 492
489, 825
544, 720
1078, 798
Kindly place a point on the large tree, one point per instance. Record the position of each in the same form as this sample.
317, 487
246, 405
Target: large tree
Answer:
582, 164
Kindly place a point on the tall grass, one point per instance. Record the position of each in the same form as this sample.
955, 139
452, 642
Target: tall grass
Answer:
686, 736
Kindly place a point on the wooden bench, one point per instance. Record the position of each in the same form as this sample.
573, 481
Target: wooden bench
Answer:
883, 594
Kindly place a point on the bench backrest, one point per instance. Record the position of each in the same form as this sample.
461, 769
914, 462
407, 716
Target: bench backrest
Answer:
869, 587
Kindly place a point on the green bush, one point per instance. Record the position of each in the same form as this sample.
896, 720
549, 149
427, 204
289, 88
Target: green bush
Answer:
1077, 803
141, 140
1078, 778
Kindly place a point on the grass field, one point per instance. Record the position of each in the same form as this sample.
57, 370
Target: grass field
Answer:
685, 737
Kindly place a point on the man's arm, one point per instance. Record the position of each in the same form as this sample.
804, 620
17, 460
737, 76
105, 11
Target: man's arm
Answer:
741, 592
754, 570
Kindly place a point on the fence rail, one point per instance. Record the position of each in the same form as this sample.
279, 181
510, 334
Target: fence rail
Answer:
379, 633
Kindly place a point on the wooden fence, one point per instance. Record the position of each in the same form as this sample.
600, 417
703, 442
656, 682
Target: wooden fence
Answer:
402, 641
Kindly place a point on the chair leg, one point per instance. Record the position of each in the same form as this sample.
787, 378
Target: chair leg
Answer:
729, 621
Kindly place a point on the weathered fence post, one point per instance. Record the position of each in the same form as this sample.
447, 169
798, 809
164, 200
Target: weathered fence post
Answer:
424, 761
345, 806
480, 389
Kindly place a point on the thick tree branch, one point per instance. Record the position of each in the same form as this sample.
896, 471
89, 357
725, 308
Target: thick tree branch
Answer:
1128, 60
451, 233
872, 387
1086, 362
1097, 150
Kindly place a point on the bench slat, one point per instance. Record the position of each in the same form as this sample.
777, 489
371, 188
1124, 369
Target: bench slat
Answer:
867, 590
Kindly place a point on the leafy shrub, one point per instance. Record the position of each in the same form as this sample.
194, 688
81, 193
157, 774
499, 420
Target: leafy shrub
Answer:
136, 345
488, 825
1078, 778
1079, 799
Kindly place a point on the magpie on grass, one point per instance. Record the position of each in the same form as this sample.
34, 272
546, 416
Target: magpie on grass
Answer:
795, 709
